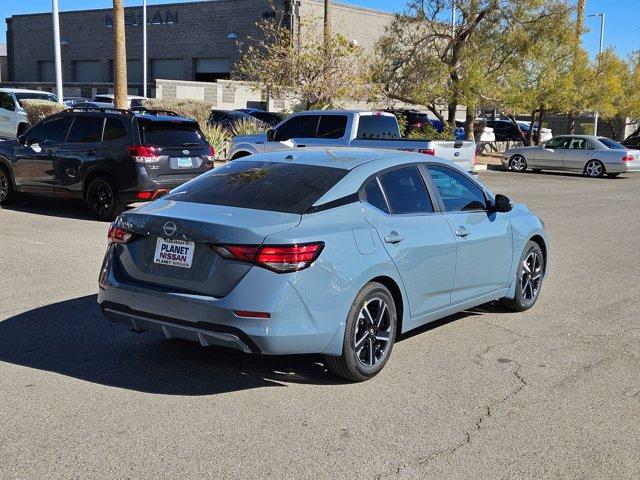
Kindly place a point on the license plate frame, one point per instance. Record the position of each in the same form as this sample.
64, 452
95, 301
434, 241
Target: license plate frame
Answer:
184, 162
174, 253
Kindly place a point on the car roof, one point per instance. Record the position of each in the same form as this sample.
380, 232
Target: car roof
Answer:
345, 112
24, 90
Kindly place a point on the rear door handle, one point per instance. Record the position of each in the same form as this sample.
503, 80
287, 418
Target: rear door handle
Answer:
300, 146
462, 232
393, 238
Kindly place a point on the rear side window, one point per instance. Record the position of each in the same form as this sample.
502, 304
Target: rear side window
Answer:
114, 129
607, 142
86, 130
332, 126
172, 134
374, 196
373, 127
302, 126
277, 187
406, 191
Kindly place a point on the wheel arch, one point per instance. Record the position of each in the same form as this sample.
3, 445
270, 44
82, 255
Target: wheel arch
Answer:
92, 174
4, 164
396, 294
543, 246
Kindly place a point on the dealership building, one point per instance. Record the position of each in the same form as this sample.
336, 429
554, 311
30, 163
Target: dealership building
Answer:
196, 41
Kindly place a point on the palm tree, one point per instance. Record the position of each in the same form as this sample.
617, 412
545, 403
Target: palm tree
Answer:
120, 56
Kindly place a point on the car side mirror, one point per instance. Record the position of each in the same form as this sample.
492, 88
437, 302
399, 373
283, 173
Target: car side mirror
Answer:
271, 133
502, 204
22, 140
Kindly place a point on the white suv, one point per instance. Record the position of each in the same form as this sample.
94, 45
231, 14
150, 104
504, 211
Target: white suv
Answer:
13, 119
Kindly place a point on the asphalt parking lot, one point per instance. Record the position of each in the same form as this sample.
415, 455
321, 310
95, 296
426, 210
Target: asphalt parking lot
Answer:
550, 393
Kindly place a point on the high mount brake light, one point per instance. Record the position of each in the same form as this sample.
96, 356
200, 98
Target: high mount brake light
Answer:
144, 153
118, 235
427, 151
279, 258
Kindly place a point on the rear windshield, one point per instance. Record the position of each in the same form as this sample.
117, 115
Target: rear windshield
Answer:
607, 142
172, 134
277, 187
376, 127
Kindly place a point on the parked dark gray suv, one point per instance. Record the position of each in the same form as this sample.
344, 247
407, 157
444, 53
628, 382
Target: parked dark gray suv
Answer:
106, 157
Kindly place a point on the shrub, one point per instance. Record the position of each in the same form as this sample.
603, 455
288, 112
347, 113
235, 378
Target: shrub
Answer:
219, 138
428, 131
38, 109
246, 126
195, 109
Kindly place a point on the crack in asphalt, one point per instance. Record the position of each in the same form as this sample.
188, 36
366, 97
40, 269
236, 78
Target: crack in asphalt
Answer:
469, 434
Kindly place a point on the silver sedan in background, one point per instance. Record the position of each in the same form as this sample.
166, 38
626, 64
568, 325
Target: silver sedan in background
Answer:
588, 154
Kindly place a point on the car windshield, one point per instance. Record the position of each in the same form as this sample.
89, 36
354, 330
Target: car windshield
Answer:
35, 96
276, 187
607, 142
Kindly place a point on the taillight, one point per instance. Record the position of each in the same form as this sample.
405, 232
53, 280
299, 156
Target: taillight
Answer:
151, 194
279, 258
416, 125
144, 154
428, 151
628, 158
211, 156
118, 234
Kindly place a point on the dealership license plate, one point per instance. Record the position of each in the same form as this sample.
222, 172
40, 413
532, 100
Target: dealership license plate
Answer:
184, 162
175, 253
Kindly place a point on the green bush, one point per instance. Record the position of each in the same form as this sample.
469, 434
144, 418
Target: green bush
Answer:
38, 109
219, 138
195, 109
429, 132
246, 126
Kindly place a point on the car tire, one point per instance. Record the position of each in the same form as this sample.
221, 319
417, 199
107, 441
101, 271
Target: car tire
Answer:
529, 277
613, 175
594, 169
369, 335
7, 192
102, 199
518, 163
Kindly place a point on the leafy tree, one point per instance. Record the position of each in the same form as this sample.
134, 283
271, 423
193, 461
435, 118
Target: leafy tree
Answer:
423, 60
316, 73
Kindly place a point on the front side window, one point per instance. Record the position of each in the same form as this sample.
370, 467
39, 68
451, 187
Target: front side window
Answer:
52, 131
6, 101
374, 196
272, 186
406, 191
332, 126
86, 130
557, 142
580, 144
302, 126
458, 192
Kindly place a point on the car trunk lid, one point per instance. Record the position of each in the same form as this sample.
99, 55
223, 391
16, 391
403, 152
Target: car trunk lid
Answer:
186, 231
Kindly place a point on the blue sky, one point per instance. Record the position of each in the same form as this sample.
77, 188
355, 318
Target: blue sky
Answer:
622, 26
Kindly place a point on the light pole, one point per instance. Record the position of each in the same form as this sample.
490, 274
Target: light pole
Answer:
601, 15
56, 50
144, 48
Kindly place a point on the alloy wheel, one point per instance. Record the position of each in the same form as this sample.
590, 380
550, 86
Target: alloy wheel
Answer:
100, 198
531, 276
594, 168
4, 186
372, 333
518, 163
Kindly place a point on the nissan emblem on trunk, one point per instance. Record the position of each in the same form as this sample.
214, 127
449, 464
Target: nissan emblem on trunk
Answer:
186, 152
169, 228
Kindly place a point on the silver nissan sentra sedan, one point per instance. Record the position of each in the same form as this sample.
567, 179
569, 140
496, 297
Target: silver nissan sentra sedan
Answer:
328, 251
591, 155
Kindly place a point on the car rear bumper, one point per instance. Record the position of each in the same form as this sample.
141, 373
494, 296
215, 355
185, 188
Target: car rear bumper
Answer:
291, 329
623, 167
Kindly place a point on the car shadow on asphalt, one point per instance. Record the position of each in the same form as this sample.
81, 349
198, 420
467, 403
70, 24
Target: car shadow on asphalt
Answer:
52, 207
73, 338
